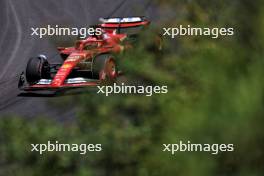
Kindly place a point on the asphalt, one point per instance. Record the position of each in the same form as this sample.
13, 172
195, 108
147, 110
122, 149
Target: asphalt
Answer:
17, 44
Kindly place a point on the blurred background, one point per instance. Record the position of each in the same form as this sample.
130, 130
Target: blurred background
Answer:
215, 93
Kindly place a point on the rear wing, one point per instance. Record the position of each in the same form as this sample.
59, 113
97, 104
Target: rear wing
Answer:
121, 24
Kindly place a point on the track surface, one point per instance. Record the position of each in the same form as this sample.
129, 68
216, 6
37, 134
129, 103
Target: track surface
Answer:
17, 45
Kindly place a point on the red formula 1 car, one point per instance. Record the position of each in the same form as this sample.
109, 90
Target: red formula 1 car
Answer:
88, 63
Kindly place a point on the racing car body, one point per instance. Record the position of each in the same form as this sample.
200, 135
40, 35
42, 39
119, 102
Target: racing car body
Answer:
88, 63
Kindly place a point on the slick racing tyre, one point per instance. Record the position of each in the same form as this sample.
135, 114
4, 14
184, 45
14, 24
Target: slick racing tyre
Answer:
104, 67
37, 68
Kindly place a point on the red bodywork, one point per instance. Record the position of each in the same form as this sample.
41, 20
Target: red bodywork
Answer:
85, 51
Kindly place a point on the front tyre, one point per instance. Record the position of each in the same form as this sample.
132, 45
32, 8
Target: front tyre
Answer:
37, 68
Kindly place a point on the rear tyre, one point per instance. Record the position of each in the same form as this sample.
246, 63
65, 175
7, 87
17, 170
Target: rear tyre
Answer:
104, 67
37, 68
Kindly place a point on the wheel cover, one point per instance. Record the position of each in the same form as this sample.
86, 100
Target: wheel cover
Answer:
109, 70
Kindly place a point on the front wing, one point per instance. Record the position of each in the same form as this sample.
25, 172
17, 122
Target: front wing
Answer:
46, 84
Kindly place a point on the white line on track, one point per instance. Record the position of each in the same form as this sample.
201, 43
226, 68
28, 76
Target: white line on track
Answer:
5, 28
18, 39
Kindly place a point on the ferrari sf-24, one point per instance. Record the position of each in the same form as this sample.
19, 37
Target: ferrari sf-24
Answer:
90, 62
